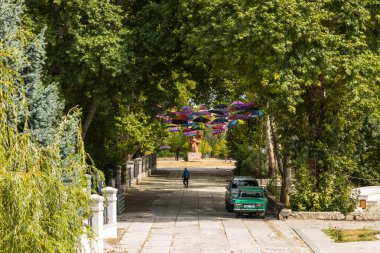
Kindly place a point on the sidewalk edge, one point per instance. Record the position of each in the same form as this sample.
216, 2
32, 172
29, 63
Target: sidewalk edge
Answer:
308, 241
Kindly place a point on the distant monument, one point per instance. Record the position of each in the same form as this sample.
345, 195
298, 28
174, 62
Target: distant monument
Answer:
195, 142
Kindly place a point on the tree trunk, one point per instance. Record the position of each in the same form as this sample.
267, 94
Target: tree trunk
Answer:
271, 156
285, 182
90, 117
282, 164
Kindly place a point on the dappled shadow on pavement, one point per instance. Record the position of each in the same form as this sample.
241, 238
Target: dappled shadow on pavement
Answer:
164, 216
163, 196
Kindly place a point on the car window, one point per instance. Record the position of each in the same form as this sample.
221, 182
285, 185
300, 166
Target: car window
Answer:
238, 183
252, 194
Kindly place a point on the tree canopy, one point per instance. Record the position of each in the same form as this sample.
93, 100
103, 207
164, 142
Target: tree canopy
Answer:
313, 66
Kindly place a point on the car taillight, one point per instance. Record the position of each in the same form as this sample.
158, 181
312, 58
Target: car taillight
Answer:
259, 205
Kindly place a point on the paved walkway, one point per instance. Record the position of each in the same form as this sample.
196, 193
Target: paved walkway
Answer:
162, 216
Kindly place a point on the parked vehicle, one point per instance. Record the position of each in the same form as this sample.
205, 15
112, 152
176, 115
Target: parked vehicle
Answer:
233, 189
251, 200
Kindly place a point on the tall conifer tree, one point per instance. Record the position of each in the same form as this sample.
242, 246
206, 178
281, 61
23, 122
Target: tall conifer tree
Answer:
44, 103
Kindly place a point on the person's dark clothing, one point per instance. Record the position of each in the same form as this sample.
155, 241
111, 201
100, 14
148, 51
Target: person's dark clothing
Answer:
186, 176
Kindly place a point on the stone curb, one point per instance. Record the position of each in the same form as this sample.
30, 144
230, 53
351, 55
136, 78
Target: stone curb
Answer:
359, 216
308, 242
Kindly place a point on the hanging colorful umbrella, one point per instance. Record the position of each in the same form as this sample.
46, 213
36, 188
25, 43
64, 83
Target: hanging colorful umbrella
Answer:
205, 112
235, 122
187, 130
248, 104
175, 113
201, 119
238, 116
180, 116
198, 127
187, 110
237, 103
219, 127
219, 106
193, 133
232, 123
218, 131
219, 121
199, 113
174, 129
256, 113
226, 115
179, 121
219, 112
171, 125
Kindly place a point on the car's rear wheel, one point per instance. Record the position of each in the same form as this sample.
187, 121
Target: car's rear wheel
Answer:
237, 215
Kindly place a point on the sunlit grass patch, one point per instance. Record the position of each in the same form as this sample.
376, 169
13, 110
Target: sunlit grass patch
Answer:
351, 235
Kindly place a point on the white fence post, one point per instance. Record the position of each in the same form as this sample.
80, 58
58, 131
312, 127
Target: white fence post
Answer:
131, 173
139, 169
97, 207
110, 229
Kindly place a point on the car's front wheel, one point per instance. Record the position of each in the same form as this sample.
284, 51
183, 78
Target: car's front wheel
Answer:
229, 207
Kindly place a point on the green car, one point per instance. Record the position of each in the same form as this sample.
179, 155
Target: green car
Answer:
251, 200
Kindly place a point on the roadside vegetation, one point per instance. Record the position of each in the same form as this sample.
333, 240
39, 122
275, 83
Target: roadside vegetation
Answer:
352, 235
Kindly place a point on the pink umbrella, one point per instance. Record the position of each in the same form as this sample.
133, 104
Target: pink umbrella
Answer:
237, 103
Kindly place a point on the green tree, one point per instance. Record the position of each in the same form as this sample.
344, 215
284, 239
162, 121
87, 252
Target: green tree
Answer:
205, 147
178, 143
313, 64
134, 135
45, 106
220, 149
43, 204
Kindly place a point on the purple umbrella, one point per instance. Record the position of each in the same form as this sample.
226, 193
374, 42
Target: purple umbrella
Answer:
218, 131
174, 129
164, 147
193, 133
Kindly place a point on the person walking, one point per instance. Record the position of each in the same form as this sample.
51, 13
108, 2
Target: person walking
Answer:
186, 176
